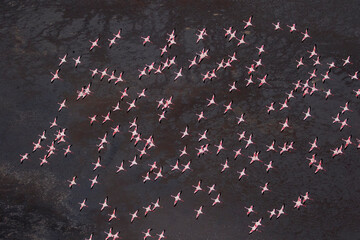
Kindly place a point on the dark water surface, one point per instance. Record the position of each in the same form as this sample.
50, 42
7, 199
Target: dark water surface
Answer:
36, 203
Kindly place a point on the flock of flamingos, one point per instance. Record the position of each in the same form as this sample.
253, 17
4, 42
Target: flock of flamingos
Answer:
60, 143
